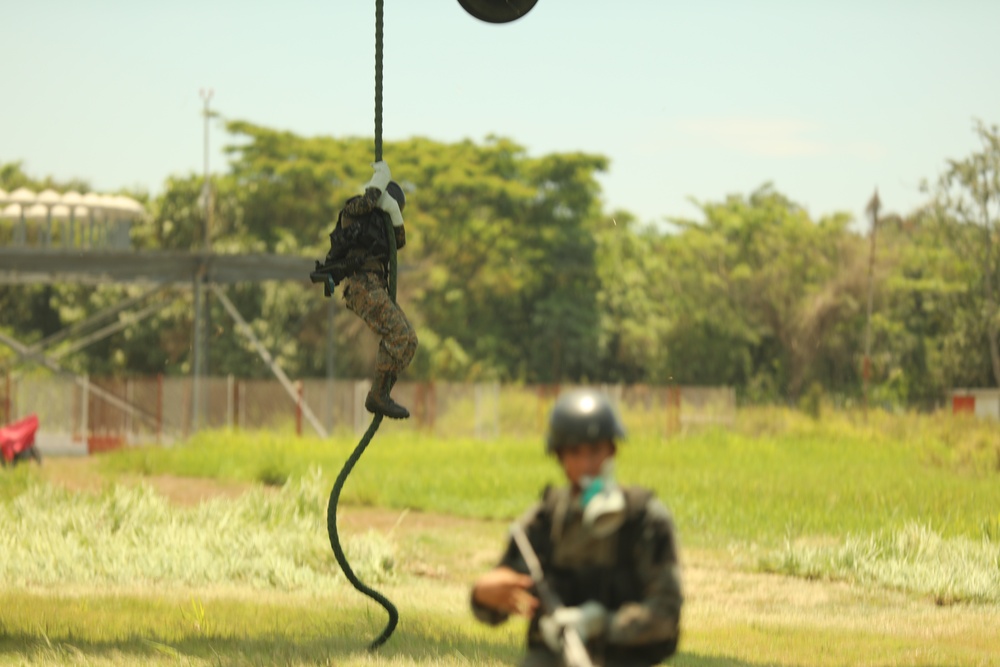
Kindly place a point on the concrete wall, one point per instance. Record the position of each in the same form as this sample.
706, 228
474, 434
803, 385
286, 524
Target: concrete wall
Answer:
980, 402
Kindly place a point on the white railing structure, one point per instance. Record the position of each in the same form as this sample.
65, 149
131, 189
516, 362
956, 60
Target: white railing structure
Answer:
50, 219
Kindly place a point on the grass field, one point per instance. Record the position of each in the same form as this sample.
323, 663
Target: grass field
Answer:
834, 542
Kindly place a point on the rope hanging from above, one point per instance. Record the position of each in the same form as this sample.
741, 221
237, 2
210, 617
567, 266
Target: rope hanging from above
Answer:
379, 16
331, 512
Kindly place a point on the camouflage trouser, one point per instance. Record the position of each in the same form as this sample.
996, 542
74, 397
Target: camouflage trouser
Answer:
367, 294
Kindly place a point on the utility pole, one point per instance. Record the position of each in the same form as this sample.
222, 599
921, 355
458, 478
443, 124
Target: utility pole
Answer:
206, 98
200, 348
873, 207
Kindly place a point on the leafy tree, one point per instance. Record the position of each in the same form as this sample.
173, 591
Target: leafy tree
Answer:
921, 293
512, 270
13, 176
968, 205
634, 305
760, 288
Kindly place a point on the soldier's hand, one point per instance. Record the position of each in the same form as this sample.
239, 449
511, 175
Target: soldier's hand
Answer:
505, 590
380, 177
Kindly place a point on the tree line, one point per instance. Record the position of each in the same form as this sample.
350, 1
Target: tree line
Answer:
514, 270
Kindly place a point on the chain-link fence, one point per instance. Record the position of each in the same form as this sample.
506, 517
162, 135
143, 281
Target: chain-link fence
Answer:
108, 412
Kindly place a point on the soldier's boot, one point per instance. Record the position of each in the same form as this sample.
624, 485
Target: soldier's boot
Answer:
378, 400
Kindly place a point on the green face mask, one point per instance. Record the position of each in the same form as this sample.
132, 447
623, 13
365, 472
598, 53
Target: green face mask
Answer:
591, 487
603, 502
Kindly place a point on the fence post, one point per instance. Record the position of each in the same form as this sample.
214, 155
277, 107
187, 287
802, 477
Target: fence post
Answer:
130, 425
85, 408
673, 410
241, 404
546, 394
328, 407
159, 408
7, 401
298, 408
230, 399
425, 404
490, 412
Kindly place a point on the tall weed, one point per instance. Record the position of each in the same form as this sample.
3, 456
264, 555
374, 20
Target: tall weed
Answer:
914, 558
130, 536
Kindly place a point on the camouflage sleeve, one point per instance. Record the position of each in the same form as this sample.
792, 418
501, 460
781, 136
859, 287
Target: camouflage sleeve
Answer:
511, 558
358, 207
656, 618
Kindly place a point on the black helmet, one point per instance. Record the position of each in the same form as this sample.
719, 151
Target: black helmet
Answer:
396, 193
582, 416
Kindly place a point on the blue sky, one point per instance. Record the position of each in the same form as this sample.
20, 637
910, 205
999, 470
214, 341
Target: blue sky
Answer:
699, 99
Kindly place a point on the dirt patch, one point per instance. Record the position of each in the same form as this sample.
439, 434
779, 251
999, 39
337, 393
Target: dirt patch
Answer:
84, 475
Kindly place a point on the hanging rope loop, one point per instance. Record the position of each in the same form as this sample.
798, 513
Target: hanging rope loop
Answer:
338, 551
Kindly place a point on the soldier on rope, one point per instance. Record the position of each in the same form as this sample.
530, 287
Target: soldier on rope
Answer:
359, 257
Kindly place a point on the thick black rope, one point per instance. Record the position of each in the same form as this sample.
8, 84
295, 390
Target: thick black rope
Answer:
338, 552
378, 79
331, 511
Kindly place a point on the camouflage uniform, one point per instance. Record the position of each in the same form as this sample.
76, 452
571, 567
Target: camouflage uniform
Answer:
634, 573
367, 291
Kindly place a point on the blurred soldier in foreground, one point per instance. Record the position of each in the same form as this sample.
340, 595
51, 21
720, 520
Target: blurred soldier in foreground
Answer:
359, 257
608, 553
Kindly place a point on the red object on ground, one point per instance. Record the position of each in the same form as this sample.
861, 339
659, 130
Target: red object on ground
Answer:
18, 437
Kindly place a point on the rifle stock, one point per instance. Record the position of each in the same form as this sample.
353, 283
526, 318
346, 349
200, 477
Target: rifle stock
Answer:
574, 652
332, 273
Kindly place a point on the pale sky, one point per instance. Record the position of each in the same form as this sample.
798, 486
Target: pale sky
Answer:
698, 99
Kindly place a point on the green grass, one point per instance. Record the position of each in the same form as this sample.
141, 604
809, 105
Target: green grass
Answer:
205, 628
274, 629
784, 492
15, 481
799, 478
464, 477
907, 509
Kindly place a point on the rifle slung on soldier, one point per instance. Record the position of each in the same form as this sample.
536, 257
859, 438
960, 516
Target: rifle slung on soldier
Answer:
574, 652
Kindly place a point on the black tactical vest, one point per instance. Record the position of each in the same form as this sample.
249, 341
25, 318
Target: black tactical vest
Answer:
362, 240
612, 586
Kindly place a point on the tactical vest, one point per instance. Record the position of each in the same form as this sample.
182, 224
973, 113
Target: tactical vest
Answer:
363, 241
612, 586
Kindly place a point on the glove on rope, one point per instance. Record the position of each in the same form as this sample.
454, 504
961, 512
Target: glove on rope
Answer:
389, 204
589, 620
381, 176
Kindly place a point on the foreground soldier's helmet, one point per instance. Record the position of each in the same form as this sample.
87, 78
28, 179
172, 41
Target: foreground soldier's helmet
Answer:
396, 192
582, 416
